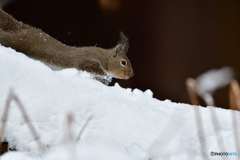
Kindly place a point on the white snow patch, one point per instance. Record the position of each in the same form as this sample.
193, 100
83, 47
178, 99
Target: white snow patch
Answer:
213, 79
127, 124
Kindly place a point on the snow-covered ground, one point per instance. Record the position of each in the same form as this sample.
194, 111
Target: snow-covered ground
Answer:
127, 124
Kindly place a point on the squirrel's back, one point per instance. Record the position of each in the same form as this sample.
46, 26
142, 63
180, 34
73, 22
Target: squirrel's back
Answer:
38, 45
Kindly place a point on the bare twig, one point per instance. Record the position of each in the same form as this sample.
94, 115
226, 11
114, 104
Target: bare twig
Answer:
83, 128
201, 136
235, 130
12, 97
191, 88
193, 92
68, 139
5, 115
69, 125
234, 99
160, 144
234, 95
216, 126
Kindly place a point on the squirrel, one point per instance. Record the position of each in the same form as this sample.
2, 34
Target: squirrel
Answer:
38, 45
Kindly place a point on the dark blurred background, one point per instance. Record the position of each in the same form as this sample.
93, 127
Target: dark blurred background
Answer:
170, 40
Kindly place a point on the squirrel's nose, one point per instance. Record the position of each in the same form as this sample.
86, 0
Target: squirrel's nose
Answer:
129, 74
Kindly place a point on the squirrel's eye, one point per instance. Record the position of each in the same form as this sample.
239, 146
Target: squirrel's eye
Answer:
123, 63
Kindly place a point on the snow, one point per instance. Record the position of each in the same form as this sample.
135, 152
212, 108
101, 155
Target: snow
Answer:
127, 124
210, 81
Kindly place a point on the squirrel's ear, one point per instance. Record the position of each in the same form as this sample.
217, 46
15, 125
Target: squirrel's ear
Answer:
122, 46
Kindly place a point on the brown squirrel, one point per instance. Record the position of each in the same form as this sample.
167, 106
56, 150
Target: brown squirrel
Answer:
39, 45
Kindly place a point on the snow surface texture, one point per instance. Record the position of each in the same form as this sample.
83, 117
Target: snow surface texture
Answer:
127, 124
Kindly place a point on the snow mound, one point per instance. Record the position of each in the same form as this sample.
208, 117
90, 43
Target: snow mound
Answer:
127, 124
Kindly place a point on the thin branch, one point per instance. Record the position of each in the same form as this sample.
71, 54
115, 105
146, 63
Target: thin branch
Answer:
83, 128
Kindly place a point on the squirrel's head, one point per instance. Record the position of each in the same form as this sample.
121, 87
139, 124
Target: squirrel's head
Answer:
119, 65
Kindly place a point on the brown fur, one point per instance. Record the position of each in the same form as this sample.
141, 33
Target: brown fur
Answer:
39, 45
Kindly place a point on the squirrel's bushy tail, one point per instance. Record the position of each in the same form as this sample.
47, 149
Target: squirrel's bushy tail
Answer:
8, 23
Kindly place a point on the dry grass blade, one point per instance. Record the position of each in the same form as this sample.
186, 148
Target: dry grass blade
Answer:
13, 97
191, 88
83, 128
